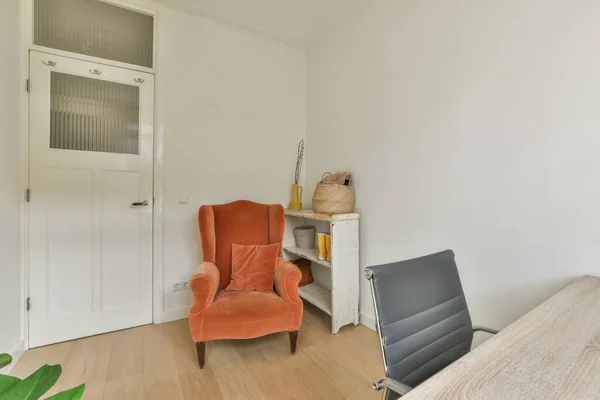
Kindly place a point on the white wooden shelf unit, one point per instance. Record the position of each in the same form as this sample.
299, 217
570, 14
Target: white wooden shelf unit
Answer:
340, 298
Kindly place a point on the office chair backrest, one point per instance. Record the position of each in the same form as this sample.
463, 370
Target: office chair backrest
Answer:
422, 316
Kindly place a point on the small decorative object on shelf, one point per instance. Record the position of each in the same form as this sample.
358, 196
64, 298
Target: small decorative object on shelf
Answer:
322, 246
296, 203
304, 266
305, 237
334, 194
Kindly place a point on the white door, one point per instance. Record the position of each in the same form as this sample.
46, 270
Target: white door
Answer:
90, 214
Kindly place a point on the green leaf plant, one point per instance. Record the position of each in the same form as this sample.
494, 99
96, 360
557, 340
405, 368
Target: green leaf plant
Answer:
35, 385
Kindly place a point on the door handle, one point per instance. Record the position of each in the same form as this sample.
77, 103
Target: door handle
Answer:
140, 203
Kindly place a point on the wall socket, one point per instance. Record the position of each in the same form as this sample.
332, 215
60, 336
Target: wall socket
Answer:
179, 286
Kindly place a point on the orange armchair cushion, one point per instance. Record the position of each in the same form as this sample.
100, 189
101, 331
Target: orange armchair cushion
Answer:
252, 267
246, 315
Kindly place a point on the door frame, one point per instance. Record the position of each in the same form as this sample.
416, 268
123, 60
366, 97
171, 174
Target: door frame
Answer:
26, 45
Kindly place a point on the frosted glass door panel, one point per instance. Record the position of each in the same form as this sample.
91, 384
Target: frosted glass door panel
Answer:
93, 115
96, 29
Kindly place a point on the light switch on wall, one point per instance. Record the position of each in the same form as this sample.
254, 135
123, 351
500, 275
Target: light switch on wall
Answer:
183, 198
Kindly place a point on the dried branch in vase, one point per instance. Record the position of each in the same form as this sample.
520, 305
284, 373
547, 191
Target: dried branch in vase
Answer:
299, 161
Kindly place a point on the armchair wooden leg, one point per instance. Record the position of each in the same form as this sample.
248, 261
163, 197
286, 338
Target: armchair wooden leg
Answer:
201, 349
293, 340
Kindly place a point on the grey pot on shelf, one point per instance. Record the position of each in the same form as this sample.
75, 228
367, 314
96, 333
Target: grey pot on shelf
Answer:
305, 237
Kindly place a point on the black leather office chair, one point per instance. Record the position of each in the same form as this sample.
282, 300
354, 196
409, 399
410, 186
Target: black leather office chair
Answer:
422, 319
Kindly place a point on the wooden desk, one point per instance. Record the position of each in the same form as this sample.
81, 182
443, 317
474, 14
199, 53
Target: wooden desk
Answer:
551, 353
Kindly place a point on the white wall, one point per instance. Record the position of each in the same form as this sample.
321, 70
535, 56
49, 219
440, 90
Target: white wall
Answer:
10, 186
472, 125
234, 111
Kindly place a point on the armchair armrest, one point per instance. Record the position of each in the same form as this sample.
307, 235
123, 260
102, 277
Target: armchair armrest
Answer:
393, 385
287, 278
204, 285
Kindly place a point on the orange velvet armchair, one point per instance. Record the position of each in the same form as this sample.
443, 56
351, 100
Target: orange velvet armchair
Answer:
219, 314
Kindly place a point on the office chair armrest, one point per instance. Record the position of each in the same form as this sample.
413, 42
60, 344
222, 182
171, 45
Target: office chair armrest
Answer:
204, 285
393, 385
479, 328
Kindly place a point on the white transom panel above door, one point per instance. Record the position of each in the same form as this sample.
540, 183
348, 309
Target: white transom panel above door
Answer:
90, 215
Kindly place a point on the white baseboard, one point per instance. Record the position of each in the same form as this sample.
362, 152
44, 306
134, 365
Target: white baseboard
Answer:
175, 314
368, 321
16, 353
